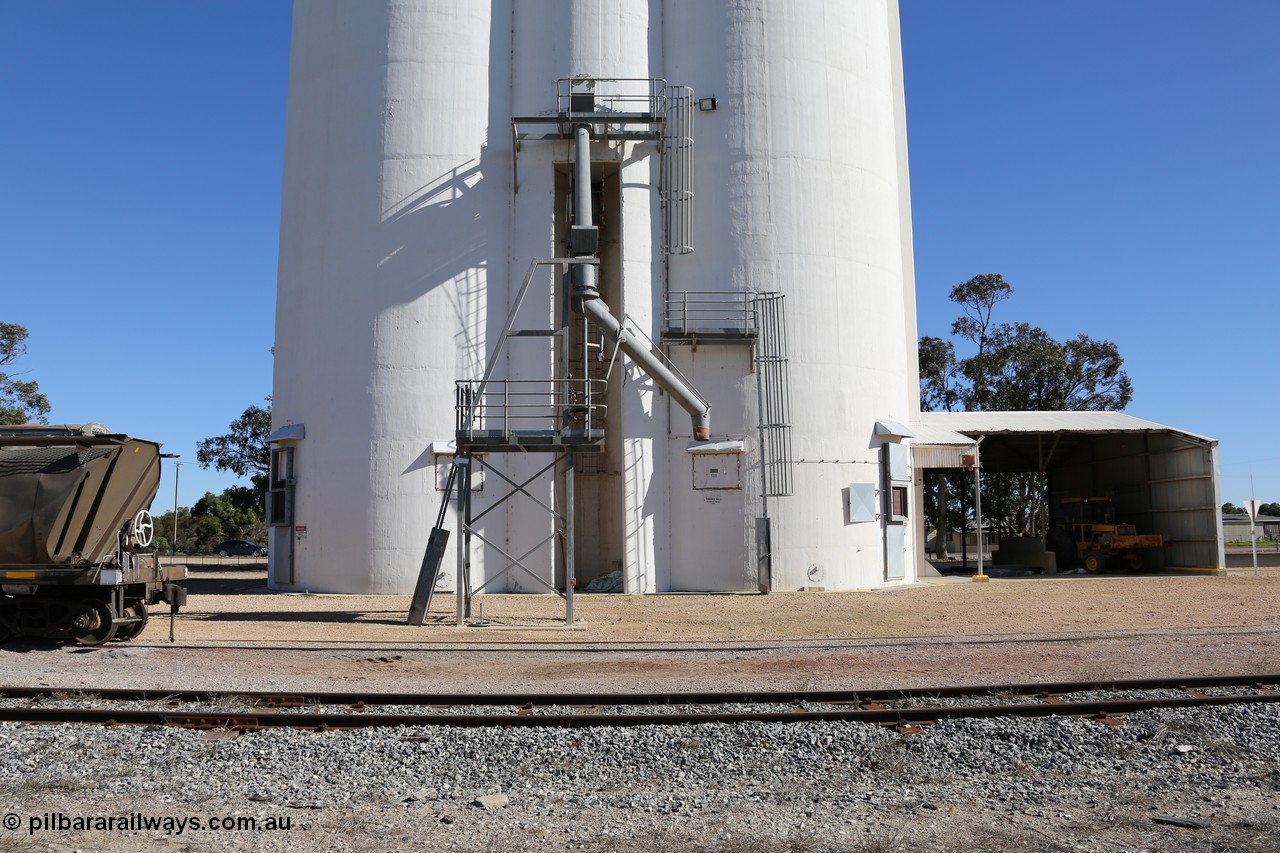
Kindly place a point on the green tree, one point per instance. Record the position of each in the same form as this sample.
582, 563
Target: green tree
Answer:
20, 401
243, 451
939, 376
1272, 509
234, 514
1229, 508
186, 541
1013, 367
226, 516
1016, 366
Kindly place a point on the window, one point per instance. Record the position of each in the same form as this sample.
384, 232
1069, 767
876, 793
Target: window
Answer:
898, 499
895, 471
280, 488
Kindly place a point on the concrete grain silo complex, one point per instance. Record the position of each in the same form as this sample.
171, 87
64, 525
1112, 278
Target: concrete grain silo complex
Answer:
628, 281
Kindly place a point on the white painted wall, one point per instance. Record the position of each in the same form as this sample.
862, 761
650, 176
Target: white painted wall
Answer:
803, 164
402, 240
393, 244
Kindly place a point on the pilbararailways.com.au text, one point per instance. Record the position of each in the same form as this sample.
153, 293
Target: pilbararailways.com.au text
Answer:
138, 822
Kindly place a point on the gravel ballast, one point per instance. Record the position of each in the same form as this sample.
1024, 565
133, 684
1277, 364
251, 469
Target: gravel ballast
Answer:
1051, 784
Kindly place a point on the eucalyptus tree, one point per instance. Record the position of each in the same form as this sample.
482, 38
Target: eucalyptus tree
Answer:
20, 400
1014, 366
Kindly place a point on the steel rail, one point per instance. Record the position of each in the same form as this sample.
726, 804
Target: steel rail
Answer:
897, 717
276, 698
588, 710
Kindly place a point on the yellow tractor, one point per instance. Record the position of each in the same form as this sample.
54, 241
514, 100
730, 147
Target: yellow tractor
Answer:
1091, 537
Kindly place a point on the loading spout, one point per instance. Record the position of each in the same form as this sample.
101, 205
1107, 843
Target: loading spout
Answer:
586, 299
699, 409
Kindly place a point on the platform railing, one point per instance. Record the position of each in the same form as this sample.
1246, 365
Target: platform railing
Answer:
704, 312
642, 95
509, 409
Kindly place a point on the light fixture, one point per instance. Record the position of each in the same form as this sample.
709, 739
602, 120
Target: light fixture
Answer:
706, 105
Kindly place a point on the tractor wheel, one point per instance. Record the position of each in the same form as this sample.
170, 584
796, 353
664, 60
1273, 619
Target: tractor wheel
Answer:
1093, 562
1135, 561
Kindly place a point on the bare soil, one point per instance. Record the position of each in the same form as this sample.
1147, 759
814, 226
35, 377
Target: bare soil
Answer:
236, 635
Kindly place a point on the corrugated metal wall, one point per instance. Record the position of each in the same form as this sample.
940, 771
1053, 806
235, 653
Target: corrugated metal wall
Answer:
1163, 483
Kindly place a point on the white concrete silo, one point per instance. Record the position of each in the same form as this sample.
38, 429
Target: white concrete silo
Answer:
409, 222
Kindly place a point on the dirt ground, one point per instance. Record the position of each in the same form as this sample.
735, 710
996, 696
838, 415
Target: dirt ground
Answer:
235, 635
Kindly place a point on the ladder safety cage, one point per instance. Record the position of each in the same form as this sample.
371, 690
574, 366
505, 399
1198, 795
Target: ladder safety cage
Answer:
676, 189
773, 384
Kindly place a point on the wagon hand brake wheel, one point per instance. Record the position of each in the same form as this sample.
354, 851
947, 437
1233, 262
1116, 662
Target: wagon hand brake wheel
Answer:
142, 529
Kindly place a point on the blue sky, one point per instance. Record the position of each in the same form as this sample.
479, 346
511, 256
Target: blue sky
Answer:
1115, 161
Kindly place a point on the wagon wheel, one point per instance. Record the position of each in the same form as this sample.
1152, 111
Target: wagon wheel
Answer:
1093, 562
129, 630
94, 626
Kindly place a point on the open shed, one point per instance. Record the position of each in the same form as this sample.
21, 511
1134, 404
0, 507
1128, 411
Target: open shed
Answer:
1162, 479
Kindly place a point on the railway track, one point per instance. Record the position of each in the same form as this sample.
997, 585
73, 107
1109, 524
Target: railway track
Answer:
904, 709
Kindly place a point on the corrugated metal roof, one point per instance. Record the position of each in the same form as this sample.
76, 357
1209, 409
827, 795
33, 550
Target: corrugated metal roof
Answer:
983, 423
933, 434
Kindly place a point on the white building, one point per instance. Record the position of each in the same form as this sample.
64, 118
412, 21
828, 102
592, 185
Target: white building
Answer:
749, 188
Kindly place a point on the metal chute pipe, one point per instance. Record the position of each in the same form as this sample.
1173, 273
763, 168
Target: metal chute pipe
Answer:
584, 275
586, 299
699, 409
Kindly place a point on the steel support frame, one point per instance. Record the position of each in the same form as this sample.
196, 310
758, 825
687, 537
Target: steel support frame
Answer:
563, 524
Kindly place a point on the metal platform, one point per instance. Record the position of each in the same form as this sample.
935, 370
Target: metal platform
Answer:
529, 415
497, 441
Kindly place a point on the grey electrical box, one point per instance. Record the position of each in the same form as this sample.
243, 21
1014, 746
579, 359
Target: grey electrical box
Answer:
717, 470
860, 503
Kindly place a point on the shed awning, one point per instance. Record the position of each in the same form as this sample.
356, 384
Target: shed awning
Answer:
892, 429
